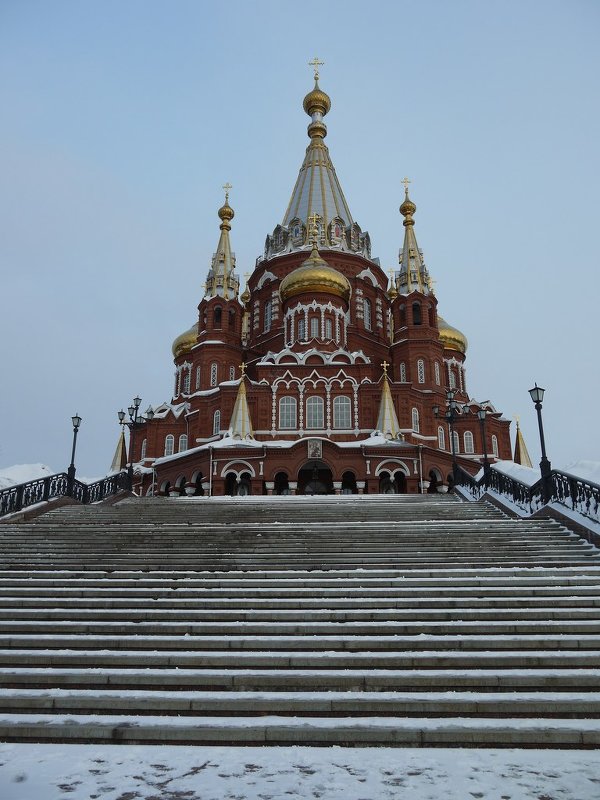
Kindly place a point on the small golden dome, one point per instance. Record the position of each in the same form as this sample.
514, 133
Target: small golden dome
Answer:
451, 338
317, 100
185, 341
226, 212
314, 275
408, 208
245, 296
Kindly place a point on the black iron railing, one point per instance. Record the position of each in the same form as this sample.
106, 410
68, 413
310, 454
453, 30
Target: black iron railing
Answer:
570, 491
16, 498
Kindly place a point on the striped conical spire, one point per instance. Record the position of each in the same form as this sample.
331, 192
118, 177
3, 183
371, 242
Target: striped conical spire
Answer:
521, 455
387, 421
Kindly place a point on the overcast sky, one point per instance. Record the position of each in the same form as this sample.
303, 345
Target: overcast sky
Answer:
122, 120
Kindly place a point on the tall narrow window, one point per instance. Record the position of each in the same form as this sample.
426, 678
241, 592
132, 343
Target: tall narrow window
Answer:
416, 313
314, 412
231, 373
169, 444
341, 413
328, 329
367, 314
216, 422
197, 378
217, 315
213, 374
302, 329
182, 442
402, 372
314, 327
402, 316
456, 439
143, 451
441, 438
468, 440
415, 420
287, 412
421, 370
452, 378
186, 380
268, 314
436, 369
495, 446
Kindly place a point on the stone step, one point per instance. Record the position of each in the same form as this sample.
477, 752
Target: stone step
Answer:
273, 730
332, 704
428, 658
499, 679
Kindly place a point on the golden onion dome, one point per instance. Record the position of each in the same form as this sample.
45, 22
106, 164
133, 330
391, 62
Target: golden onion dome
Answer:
317, 101
226, 212
408, 208
185, 341
314, 275
451, 338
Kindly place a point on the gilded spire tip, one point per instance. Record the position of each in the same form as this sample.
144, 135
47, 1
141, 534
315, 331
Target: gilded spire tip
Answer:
226, 213
315, 64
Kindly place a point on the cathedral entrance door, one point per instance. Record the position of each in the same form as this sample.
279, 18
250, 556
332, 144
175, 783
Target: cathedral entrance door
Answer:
315, 478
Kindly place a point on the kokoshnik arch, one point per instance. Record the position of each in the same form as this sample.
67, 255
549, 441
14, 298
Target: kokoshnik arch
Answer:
322, 376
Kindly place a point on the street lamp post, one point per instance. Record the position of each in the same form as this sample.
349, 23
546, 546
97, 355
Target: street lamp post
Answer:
134, 421
481, 414
76, 420
450, 416
537, 395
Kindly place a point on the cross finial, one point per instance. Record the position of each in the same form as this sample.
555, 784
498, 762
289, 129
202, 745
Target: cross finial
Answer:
243, 369
313, 228
385, 365
315, 64
227, 187
405, 182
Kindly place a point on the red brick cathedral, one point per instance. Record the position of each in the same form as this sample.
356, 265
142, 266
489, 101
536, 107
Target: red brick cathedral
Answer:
325, 375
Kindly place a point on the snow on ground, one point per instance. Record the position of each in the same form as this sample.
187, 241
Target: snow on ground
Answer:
21, 473
120, 772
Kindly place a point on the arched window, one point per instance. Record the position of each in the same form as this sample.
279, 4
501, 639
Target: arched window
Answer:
182, 442
431, 315
216, 422
287, 412
197, 378
314, 412
456, 438
213, 374
421, 370
416, 313
415, 420
328, 329
301, 329
217, 314
402, 372
186, 380
468, 440
367, 314
143, 450
268, 314
441, 438
169, 444
436, 370
451, 378
495, 446
314, 327
402, 316
341, 413
231, 373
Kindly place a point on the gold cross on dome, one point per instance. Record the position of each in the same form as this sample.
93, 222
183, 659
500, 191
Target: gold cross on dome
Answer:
243, 369
313, 228
315, 64
227, 187
385, 365
405, 182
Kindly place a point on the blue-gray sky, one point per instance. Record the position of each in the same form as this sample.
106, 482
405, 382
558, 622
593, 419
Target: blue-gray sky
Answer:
122, 120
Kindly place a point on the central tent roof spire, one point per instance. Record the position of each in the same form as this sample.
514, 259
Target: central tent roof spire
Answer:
317, 189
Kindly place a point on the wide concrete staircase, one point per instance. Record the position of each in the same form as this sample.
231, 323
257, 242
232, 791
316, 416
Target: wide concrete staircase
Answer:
390, 620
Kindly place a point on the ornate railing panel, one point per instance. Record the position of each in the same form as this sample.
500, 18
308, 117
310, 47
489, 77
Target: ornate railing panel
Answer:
575, 493
16, 498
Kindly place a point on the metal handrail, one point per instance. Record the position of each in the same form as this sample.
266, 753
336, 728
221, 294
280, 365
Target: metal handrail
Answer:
23, 495
571, 491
